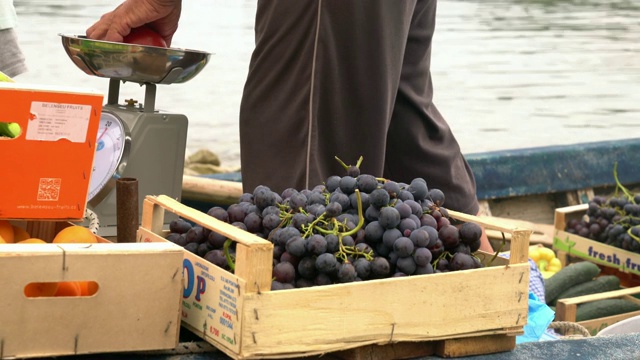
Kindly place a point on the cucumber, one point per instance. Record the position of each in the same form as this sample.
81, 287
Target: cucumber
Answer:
603, 308
600, 284
568, 276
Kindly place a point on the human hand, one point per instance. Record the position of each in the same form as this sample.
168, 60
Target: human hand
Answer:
161, 15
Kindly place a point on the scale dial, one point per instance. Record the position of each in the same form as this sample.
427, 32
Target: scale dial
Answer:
112, 150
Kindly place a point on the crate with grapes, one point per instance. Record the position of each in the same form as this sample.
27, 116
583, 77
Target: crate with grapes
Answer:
355, 262
606, 230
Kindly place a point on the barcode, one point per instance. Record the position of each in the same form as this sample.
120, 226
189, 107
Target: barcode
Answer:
49, 189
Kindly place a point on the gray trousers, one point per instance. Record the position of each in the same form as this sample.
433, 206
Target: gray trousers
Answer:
347, 78
12, 61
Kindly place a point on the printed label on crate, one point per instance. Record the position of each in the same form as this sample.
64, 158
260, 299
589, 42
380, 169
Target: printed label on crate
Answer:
211, 301
53, 121
597, 252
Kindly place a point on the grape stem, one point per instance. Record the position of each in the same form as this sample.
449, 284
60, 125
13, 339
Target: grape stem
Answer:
360, 216
347, 166
230, 260
352, 250
309, 229
502, 244
619, 185
636, 238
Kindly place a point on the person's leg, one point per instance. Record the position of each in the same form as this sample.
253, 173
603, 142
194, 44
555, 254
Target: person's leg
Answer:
420, 142
12, 61
321, 84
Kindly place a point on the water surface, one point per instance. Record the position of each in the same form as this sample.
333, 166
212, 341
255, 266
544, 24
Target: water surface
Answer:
507, 73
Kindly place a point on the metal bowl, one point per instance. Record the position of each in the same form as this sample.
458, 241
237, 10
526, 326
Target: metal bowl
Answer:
135, 63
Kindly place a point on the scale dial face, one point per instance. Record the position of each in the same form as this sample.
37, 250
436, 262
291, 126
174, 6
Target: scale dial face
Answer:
112, 148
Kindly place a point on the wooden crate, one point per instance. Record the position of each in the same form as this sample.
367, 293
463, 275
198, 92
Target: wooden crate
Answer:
567, 244
566, 309
137, 305
453, 314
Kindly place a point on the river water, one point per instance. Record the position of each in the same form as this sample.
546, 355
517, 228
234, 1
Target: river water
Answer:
508, 74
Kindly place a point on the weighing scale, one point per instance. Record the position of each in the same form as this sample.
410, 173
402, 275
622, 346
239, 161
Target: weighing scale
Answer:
135, 140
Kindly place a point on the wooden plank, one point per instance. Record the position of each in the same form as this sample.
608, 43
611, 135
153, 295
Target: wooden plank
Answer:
254, 255
449, 348
532, 208
596, 325
478, 345
205, 220
519, 247
564, 214
210, 190
406, 350
581, 196
597, 252
541, 233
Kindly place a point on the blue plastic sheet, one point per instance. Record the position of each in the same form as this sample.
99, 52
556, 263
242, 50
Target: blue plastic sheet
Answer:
538, 320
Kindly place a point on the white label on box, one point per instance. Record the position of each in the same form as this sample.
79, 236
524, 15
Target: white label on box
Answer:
54, 121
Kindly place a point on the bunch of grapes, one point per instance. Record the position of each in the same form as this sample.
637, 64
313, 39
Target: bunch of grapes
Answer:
354, 227
613, 220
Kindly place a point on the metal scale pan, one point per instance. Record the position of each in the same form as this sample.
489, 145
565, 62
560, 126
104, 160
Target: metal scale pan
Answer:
135, 140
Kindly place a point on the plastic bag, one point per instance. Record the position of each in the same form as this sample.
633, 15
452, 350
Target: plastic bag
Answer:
538, 320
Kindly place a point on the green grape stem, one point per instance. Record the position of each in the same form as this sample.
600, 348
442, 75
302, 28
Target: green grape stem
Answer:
442, 256
345, 251
345, 166
502, 244
352, 250
331, 230
633, 236
342, 163
308, 229
360, 216
285, 217
230, 259
626, 191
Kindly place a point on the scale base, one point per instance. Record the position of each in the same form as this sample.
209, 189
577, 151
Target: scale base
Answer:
156, 160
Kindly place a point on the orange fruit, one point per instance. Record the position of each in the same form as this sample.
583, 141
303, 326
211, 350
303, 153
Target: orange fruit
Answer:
6, 232
75, 234
88, 288
31, 241
68, 288
39, 289
20, 234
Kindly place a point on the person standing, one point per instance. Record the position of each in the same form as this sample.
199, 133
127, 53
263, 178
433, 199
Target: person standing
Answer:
12, 60
327, 78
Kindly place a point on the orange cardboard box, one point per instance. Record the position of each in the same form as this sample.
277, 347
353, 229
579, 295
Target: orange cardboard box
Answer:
45, 171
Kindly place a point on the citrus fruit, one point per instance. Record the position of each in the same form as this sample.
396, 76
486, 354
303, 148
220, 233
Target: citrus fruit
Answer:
20, 234
75, 234
31, 241
88, 288
39, 289
6, 232
68, 288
